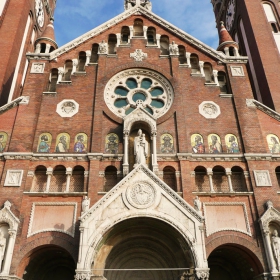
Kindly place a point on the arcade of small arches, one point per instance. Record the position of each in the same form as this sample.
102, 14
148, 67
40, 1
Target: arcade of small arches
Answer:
77, 66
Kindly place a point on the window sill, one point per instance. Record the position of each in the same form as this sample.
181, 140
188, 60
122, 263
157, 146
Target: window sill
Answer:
152, 46
213, 194
211, 84
225, 95
65, 83
64, 194
50, 92
196, 75
184, 66
128, 45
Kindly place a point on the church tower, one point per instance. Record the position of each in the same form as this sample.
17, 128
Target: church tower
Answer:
18, 33
254, 25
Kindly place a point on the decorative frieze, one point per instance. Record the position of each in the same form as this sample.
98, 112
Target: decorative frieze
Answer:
138, 55
13, 178
262, 178
37, 68
237, 71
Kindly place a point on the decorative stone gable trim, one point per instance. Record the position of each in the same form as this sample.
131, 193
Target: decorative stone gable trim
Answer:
20, 100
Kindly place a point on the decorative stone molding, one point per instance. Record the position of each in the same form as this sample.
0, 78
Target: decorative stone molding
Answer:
250, 103
30, 173
37, 68
138, 55
237, 71
202, 273
101, 173
262, 178
208, 233
83, 275
50, 204
209, 110
155, 18
173, 49
20, 100
13, 178
67, 108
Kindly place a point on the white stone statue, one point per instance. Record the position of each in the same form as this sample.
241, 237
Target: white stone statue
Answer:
173, 49
2, 247
144, 3
275, 242
103, 48
85, 204
197, 204
140, 148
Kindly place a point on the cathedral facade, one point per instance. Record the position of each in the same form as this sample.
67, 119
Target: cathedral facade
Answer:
138, 152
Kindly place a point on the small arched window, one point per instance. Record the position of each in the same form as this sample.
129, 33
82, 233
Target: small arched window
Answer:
58, 180
82, 61
164, 45
151, 36
194, 63
169, 177
277, 171
138, 27
222, 79
43, 48
77, 179
111, 178
201, 179
53, 80
182, 55
68, 70
94, 53
220, 182
208, 71
112, 42
238, 179
40, 179
271, 18
125, 35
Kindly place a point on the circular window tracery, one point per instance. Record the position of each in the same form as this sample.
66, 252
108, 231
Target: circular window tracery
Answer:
129, 88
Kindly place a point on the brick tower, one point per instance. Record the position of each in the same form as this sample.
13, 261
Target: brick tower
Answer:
255, 26
18, 32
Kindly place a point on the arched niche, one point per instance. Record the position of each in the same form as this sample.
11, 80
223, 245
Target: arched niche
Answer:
8, 229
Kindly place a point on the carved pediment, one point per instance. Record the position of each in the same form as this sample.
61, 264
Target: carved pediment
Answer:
8, 217
271, 214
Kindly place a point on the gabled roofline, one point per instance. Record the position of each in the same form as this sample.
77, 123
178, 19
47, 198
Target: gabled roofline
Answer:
138, 10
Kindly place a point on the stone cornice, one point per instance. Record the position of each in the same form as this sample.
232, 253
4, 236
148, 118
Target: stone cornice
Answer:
150, 15
263, 108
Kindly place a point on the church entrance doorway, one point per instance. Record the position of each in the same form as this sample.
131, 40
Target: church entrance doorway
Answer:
50, 263
232, 262
143, 249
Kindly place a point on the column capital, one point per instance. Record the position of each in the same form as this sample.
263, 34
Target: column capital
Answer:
202, 273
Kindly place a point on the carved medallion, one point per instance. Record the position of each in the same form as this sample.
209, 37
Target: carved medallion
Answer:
138, 55
141, 195
209, 110
67, 108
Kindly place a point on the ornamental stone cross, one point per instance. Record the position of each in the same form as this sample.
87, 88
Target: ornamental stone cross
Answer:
138, 55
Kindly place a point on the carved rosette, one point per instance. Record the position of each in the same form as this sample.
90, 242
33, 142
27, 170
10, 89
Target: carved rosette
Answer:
141, 195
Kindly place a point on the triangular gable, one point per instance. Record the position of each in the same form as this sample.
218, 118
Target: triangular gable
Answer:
138, 10
140, 194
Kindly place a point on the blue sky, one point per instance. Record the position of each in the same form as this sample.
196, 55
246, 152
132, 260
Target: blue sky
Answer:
74, 18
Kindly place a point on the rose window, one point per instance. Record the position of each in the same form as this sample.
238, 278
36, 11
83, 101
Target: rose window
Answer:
132, 88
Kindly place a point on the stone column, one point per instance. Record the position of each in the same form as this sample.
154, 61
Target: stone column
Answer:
60, 74
118, 39
38, 48
210, 174
201, 64
48, 46
86, 175
68, 179
9, 252
49, 173
88, 56
236, 52
131, 31
188, 57
158, 40
75, 64
125, 156
269, 252
154, 155
215, 75
145, 29
226, 51
229, 173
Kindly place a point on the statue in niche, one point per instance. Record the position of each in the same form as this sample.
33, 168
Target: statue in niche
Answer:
103, 48
144, 3
2, 248
275, 242
85, 204
197, 204
140, 148
173, 48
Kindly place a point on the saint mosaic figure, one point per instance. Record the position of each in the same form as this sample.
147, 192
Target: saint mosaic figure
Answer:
80, 143
62, 144
44, 145
273, 143
232, 144
140, 148
112, 143
197, 144
2, 247
215, 146
167, 146
275, 242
